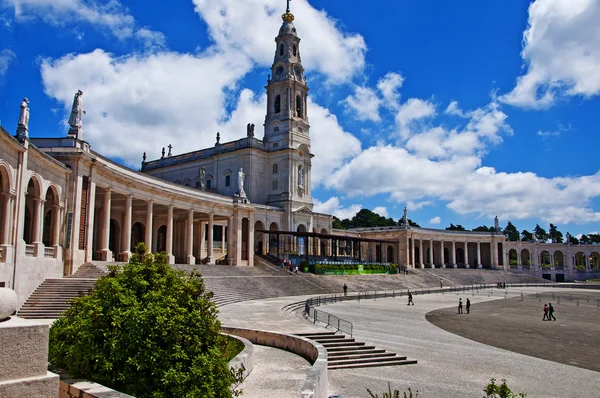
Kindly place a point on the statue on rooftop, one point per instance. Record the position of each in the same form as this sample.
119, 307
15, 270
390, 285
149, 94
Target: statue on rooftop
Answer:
218, 139
250, 130
23, 124
144, 157
163, 153
241, 175
75, 120
201, 179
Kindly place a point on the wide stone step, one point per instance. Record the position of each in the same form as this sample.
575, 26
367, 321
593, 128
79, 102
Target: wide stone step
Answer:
321, 334
344, 344
328, 340
373, 359
373, 364
346, 348
358, 356
338, 354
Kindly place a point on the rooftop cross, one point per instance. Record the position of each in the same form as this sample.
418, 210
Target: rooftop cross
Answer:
288, 6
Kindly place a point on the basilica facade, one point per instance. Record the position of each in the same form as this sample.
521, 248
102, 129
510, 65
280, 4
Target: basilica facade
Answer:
62, 204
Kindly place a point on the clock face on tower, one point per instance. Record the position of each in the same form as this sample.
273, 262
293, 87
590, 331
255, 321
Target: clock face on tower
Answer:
279, 71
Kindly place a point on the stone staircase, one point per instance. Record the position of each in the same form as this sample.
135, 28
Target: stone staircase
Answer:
346, 353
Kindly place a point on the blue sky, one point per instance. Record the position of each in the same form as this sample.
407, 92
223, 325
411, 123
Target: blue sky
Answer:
460, 113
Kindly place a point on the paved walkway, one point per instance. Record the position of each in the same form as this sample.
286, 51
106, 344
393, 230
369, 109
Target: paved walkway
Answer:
449, 365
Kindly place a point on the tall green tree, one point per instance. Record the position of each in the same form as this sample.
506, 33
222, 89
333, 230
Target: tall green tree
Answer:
526, 236
585, 240
512, 232
573, 240
554, 234
411, 223
453, 227
483, 228
540, 233
594, 239
146, 330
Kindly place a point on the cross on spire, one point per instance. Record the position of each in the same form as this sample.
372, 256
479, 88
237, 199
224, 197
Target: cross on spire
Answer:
288, 6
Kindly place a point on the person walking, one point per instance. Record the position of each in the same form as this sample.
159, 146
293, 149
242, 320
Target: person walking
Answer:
345, 289
410, 300
460, 306
551, 312
441, 284
468, 306
546, 309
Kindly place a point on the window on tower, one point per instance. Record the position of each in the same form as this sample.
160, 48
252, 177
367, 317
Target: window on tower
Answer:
274, 185
278, 104
275, 169
299, 106
295, 50
280, 49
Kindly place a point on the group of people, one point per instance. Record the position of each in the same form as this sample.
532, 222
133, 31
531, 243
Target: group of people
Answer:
287, 264
501, 285
467, 307
548, 312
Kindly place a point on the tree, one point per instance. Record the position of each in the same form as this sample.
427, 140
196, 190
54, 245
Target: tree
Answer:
594, 238
526, 236
540, 233
411, 223
145, 330
493, 390
585, 240
337, 223
453, 227
573, 240
512, 232
554, 234
483, 228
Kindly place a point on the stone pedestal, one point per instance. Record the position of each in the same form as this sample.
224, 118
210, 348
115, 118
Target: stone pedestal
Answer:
24, 360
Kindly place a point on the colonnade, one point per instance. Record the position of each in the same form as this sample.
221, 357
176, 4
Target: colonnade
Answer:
430, 252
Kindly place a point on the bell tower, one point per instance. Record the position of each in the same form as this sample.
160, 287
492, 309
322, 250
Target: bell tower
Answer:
286, 122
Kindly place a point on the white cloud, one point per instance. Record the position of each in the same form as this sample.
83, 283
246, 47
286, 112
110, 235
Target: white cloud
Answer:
6, 58
381, 210
363, 104
105, 14
435, 220
332, 206
560, 51
413, 110
454, 109
249, 26
388, 86
548, 133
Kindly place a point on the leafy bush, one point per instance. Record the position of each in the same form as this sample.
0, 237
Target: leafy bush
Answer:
146, 330
394, 394
494, 390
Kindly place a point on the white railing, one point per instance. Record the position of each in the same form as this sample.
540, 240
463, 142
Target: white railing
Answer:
49, 252
30, 250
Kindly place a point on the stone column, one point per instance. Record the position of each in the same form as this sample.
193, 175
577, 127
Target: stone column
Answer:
105, 253
230, 254
223, 241
56, 226
453, 254
6, 211
211, 258
38, 227
190, 238
202, 237
442, 254
251, 241
413, 253
431, 258
91, 210
467, 255
237, 238
169, 242
421, 256
149, 226
479, 255
126, 230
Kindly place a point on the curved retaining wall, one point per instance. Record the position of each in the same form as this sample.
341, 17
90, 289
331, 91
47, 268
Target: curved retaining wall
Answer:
316, 383
245, 359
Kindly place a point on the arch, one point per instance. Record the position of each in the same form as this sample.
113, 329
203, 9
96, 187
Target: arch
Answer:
513, 257
259, 238
525, 257
594, 260
275, 168
299, 107
6, 182
277, 105
161, 239
300, 241
559, 259
545, 258
114, 236
32, 219
295, 50
34, 186
137, 235
50, 215
390, 254
274, 239
580, 261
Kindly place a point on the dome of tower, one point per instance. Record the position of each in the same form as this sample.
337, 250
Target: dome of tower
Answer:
287, 28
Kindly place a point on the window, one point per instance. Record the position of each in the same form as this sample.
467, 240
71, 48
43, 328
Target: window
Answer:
280, 49
294, 49
275, 169
208, 183
278, 104
276, 129
227, 181
298, 106
274, 185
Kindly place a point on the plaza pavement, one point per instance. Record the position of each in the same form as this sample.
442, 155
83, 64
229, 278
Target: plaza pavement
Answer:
449, 365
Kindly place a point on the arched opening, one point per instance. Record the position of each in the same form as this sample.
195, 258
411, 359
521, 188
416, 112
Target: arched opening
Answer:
50, 216
161, 239
299, 106
280, 50
137, 235
545, 259
513, 259
377, 253
114, 236
274, 240
446, 256
525, 258
4, 200
277, 107
32, 218
259, 238
390, 254
245, 233
460, 256
300, 241
295, 50
595, 261
559, 259
580, 261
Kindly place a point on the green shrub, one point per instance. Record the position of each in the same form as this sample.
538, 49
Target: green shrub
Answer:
493, 390
394, 394
148, 331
